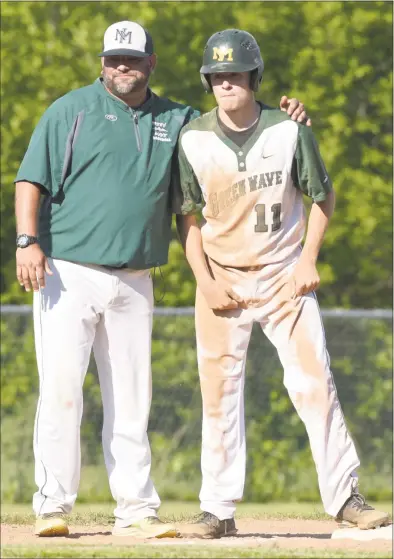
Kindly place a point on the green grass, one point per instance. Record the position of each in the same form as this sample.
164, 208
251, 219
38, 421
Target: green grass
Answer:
180, 552
177, 511
102, 514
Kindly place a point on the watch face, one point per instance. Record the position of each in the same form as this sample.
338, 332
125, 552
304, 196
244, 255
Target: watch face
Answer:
23, 241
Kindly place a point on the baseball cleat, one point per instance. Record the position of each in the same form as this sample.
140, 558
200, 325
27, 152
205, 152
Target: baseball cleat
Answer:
356, 513
208, 526
150, 527
51, 524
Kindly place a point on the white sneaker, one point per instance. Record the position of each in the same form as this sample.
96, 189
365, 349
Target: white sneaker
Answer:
149, 527
51, 524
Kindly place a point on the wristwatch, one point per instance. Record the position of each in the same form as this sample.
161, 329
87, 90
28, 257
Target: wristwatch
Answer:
23, 240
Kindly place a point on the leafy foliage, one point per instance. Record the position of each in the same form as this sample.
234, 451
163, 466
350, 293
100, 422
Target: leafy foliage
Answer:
334, 56
280, 465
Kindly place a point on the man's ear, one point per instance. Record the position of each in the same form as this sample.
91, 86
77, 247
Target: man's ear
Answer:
152, 63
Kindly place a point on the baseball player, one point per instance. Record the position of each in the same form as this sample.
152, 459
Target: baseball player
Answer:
93, 209
247, 167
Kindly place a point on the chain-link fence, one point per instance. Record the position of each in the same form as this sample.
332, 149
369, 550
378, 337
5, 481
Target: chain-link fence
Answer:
279, 460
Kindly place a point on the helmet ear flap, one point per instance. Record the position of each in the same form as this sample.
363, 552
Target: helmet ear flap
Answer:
206, 82
255, 79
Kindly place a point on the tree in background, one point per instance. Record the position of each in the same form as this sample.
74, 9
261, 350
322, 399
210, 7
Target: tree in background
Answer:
334, 56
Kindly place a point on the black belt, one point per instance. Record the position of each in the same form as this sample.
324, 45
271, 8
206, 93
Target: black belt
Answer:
115, 267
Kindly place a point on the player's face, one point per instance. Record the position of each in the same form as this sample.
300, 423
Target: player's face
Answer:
123, 75
232, 90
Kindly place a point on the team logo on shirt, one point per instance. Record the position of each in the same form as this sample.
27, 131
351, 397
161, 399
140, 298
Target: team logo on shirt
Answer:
218, 201
160, 133
112, 118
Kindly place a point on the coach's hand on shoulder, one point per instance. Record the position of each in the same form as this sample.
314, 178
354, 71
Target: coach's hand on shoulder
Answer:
31, 266
295, 109
220, 298
305, 277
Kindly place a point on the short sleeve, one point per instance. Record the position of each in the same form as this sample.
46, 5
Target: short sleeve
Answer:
309, 173
41, 163
187, 197
194, 114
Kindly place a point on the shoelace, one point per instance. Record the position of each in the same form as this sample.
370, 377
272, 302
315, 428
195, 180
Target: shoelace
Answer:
207, 517
358, 502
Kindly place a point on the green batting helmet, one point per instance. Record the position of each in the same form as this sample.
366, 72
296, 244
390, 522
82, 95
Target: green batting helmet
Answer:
232, 50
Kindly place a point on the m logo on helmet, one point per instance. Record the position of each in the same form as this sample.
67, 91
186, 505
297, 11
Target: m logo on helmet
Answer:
221, 53
123, 35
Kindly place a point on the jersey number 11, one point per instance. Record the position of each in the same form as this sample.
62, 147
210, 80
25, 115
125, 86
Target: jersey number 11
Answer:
261, 226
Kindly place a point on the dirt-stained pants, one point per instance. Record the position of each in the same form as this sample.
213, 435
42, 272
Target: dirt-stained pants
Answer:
295, 328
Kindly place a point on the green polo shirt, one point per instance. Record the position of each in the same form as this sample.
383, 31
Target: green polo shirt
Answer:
106, 173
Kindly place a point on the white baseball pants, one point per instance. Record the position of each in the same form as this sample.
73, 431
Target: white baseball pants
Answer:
85, 306
295, 328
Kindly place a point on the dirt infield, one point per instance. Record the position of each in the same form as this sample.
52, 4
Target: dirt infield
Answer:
281, 534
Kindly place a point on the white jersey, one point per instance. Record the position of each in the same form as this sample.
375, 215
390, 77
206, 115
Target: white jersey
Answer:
251, 196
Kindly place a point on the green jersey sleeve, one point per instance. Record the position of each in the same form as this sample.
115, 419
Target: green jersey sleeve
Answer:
176, 195
309, 173
188, 198
42, 162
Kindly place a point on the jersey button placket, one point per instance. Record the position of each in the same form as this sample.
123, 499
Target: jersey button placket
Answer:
241, 161
240, 155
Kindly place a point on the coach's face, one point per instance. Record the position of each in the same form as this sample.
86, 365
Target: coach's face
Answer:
123, 75
232, 90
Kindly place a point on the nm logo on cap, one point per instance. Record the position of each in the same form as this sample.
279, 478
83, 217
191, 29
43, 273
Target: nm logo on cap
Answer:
123, 35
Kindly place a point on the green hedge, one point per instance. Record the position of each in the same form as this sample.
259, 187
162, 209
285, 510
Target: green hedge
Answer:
279, 463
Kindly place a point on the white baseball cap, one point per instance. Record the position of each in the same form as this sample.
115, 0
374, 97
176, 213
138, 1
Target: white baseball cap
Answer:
127, 38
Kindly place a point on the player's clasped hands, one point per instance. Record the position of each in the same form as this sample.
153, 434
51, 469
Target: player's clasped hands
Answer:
31, 267
305, 277
220, 298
